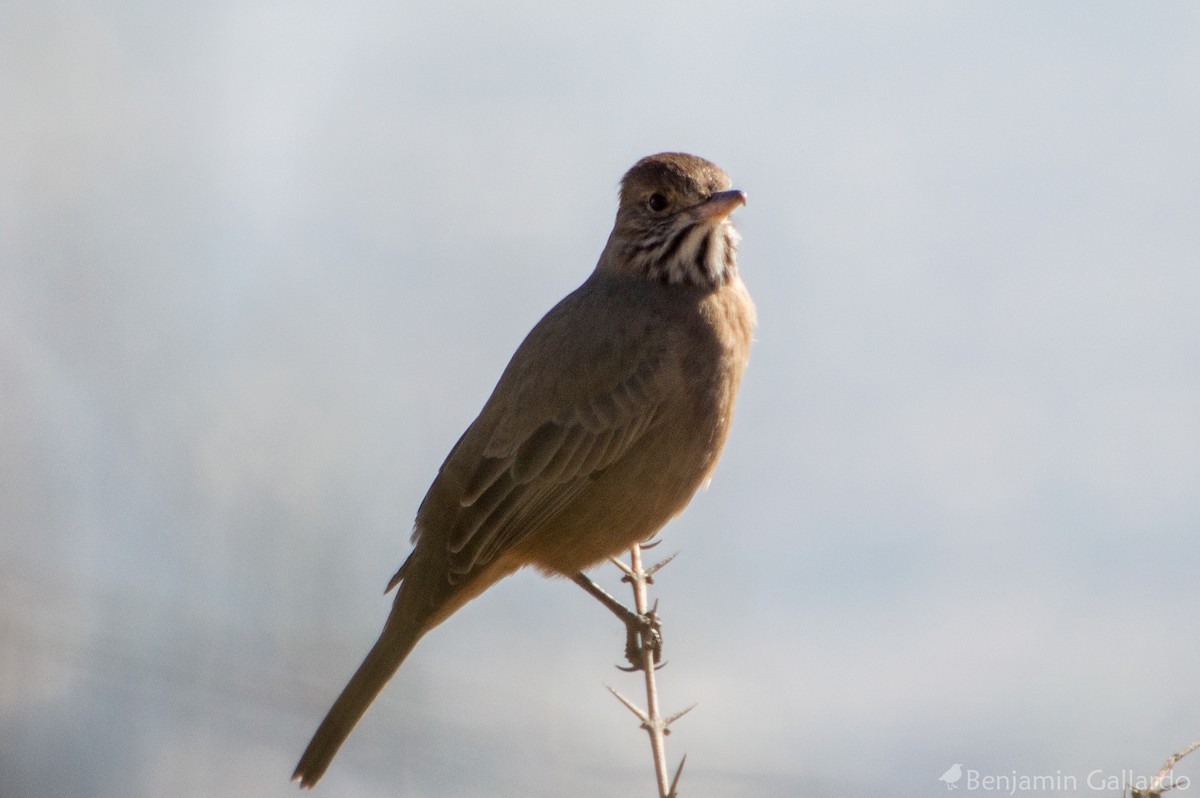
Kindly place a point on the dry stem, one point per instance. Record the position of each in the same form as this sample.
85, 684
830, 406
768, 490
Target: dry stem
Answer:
656, 726
1157, 784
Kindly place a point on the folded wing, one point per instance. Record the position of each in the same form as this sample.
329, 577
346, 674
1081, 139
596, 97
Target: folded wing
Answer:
521, 484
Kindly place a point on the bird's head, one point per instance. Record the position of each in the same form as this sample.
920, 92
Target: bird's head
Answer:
673, 222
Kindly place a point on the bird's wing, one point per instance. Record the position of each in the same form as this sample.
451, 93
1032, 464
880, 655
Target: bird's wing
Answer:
521, 481
572, 401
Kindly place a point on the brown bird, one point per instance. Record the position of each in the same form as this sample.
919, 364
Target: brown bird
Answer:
608, 418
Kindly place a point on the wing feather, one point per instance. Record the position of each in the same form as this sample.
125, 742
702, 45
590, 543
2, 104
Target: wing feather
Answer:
478, 512
537, 452
486, 474
557, 466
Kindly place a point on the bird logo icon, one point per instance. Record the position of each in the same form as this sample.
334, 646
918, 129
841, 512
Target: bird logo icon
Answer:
952, 776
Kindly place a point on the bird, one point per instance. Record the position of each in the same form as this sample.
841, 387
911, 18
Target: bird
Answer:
610, 415
952, 775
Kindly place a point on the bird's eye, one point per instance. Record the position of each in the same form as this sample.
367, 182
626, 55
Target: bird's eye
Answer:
657, 202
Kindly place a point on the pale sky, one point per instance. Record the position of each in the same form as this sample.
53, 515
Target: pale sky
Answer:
261, 263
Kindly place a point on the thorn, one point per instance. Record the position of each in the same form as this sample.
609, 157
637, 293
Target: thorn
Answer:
675, 781
653, 568
672, 718
651, 543
632, 707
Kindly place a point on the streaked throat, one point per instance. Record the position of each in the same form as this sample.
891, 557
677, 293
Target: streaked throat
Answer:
699, 252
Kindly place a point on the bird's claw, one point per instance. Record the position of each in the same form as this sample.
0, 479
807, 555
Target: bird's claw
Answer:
643, 633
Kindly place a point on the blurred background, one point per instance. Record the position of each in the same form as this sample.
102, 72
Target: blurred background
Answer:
262, 262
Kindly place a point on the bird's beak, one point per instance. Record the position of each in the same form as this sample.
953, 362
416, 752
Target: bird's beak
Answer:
721, 204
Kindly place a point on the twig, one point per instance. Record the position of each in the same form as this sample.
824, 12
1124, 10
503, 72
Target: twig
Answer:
645, 660
1157, 784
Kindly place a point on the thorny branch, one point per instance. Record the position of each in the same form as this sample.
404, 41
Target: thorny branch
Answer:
644, 658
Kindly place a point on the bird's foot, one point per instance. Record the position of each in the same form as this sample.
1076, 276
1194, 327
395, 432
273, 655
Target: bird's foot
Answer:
643, 632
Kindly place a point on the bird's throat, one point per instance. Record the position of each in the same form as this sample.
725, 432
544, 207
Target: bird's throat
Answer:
701, 253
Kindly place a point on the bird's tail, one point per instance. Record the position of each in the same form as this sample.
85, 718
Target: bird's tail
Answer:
397, 640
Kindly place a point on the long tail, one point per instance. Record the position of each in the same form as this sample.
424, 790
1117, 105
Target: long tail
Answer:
397, 640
